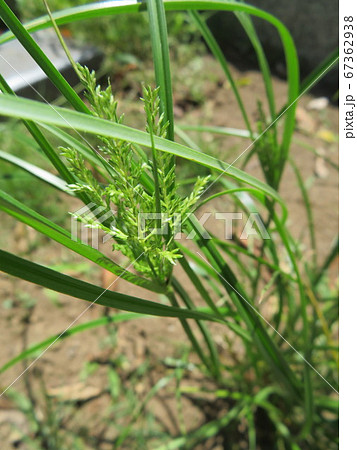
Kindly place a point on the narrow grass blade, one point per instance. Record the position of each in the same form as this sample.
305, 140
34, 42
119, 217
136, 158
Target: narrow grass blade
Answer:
138, 411
102, 321
217, 52
191, 336
77, 13
259, 259
214, 359
225, 131
329, 259
249, 28
205, 432
96, 10
36, 171
23, 108
308, 209
83, 149
257, 195
161, 58
50, 279
321, 70
41, 59
43, 143
34, 349
308, 389
26, 215
205, 295
250, 317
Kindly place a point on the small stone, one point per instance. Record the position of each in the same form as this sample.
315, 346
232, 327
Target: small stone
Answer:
321, 170
305, 122
74, 392
318, 104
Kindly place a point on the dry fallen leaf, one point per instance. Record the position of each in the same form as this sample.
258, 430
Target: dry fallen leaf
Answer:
244, 81
326, 135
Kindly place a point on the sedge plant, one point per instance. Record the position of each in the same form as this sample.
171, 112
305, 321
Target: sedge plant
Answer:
131, 174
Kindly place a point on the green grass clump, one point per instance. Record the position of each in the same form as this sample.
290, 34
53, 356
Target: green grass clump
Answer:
282, 378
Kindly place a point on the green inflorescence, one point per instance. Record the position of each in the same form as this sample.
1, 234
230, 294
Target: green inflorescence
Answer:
143, 225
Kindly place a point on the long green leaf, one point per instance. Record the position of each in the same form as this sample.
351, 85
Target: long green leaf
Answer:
322, 69
23, 108
330, 257
50, 279
250, 317
102, 321
218, 54
308, 389
161, 57
83, 149
202, 326
205, 432
26, 215
249, 28
36, 171
307, 204
225, 131
39, 56
33, 349
96, 10
43, 143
